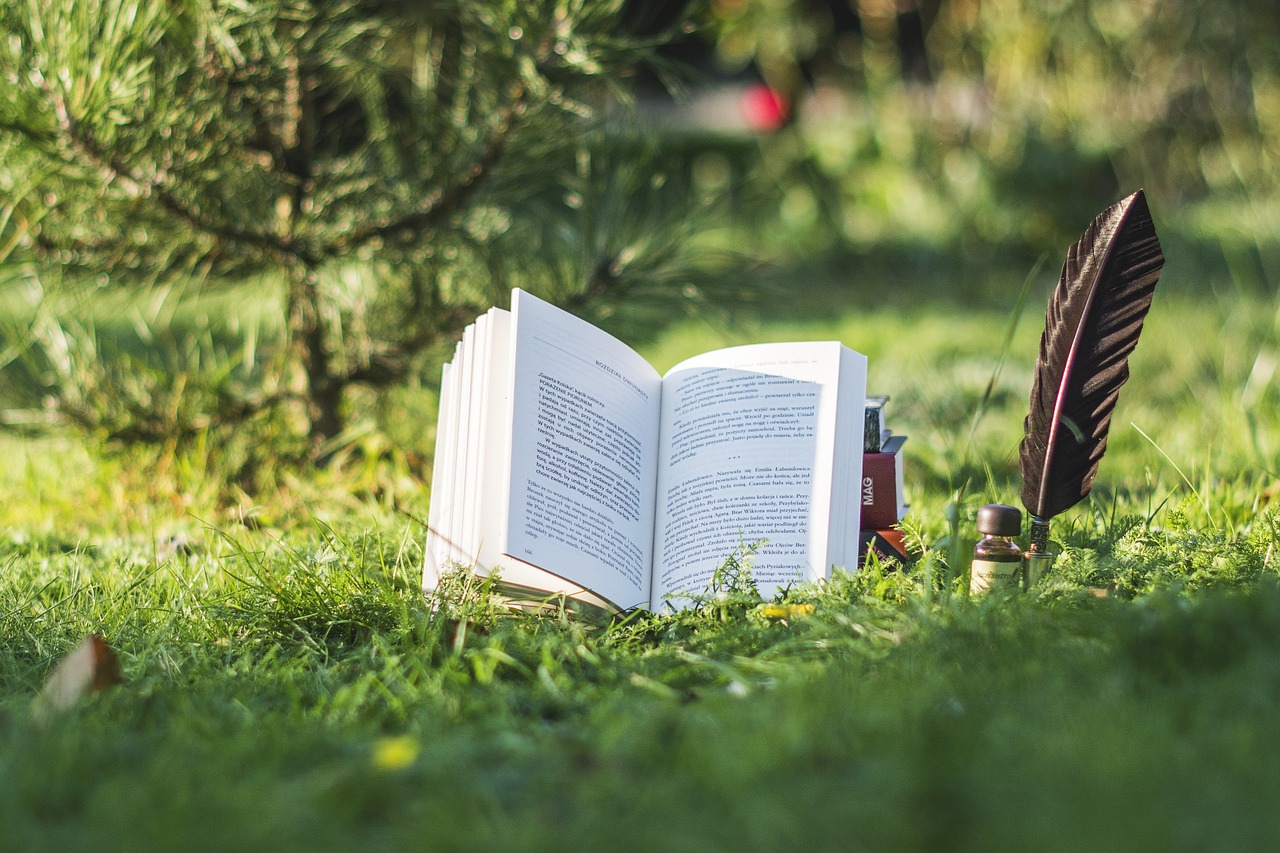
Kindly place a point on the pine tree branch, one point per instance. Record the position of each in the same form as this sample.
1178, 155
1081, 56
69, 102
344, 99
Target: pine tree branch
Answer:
150, 427
35, 137
442, 203
395, 362
85, 148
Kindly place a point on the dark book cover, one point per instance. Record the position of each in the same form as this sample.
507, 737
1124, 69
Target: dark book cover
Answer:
887, 544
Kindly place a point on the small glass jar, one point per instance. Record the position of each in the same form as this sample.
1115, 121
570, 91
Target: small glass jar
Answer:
997, 559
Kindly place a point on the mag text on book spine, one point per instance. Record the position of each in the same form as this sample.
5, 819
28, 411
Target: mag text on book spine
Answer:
882, 500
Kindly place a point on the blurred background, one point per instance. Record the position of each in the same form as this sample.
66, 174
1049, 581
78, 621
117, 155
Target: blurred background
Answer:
199, 258
975, 128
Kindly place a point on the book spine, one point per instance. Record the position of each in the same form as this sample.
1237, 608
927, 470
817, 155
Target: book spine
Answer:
881, 502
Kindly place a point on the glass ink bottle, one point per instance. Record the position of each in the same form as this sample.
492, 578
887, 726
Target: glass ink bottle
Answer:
997, 559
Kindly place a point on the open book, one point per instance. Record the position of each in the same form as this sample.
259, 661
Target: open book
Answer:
568, 465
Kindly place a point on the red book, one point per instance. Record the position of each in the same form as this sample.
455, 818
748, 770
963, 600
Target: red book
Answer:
883, 500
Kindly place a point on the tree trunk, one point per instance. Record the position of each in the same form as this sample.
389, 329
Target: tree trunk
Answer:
323, 387
324, 392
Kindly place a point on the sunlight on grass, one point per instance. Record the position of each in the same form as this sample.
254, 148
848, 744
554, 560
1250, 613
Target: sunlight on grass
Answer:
278, 655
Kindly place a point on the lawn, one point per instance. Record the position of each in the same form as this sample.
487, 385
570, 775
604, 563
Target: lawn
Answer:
287, 687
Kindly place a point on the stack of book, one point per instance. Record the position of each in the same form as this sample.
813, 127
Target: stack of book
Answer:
883, 501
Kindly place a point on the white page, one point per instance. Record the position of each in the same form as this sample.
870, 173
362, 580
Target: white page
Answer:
753, 448
846, 503
457, 420
461, 485
479, 347
480, 549
491, 485
583, 456
436, 552
494, 442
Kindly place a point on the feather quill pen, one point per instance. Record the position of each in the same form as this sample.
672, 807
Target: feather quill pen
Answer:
1092, 325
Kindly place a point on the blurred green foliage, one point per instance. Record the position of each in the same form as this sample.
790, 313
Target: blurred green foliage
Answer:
933, 145
1007, 122
377, 174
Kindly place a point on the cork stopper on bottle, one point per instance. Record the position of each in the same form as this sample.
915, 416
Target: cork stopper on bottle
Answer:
999, 520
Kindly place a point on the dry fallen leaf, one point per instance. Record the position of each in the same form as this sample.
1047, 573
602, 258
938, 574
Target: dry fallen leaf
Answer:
90, 668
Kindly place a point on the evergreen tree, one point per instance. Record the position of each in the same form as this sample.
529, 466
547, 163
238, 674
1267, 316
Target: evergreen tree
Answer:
387, 169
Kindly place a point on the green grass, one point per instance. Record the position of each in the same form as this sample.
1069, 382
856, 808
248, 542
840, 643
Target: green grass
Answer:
286, 686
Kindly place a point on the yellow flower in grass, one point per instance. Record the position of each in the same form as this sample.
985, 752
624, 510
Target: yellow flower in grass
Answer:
395, 753
786, 611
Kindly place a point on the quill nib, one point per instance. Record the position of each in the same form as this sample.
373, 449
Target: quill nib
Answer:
1092, 325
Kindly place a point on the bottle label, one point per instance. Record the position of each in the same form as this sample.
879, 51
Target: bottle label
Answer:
985, 575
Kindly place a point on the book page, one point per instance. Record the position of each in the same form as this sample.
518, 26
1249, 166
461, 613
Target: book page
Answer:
491, 485
755, 449
584, 428
476, 465
440, 512
454, 464
494, 442
478, 344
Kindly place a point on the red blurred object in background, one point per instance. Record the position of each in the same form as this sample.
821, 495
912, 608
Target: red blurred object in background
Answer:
764, 108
